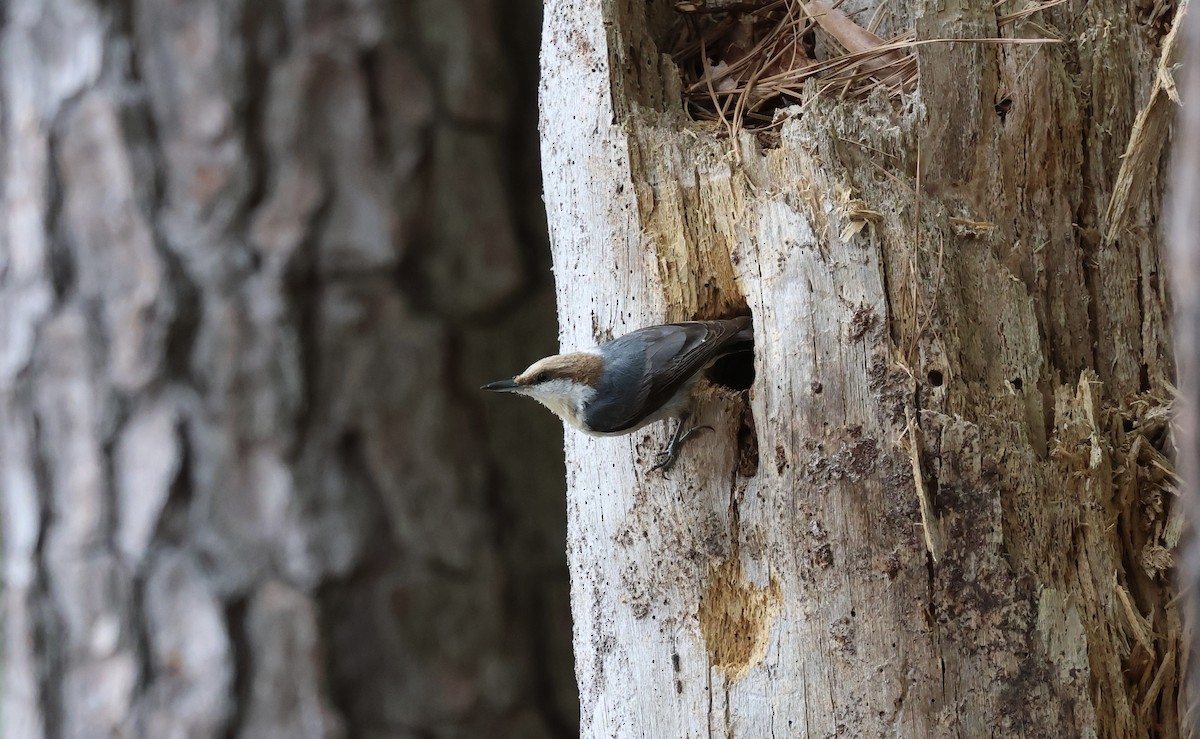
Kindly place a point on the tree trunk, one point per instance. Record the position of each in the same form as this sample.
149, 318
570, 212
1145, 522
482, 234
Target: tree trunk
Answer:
255, 258
944, 508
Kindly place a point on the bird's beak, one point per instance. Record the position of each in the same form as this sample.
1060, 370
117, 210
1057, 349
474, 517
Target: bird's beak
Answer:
501, 386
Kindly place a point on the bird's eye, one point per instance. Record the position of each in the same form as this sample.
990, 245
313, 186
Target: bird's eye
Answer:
543, 376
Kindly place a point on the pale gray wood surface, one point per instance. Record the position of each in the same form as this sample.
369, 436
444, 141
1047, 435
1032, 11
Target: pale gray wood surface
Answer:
1028, 347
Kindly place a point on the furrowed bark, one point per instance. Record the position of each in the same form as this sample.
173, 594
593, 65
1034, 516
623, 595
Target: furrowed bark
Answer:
256, 257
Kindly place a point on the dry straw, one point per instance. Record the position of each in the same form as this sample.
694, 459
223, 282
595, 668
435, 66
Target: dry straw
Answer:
742, 61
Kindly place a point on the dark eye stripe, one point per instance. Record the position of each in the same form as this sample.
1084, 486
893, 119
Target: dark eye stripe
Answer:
543, 376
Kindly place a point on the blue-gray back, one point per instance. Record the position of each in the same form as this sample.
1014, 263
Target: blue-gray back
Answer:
658, 361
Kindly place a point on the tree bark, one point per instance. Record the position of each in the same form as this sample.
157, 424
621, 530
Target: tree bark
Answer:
255, 258
947, 506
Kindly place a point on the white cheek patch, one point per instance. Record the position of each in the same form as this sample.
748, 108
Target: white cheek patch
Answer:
565, 398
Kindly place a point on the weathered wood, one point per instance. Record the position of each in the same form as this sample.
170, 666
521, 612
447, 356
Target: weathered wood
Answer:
939, 259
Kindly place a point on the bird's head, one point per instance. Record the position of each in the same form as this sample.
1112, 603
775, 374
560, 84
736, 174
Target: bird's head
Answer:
564, 383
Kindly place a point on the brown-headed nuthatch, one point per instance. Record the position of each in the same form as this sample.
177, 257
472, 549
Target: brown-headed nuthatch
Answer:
634, 380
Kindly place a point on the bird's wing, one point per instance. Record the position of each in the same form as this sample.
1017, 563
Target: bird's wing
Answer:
669, 356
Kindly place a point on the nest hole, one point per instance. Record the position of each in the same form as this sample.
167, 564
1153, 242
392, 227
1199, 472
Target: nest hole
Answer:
733, 371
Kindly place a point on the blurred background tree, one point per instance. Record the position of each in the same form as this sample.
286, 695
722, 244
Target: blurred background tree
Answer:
255, 258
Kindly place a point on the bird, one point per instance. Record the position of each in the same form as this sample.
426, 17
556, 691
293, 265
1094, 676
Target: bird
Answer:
633, 380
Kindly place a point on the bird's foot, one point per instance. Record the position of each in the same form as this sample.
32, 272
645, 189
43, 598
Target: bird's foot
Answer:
667, 457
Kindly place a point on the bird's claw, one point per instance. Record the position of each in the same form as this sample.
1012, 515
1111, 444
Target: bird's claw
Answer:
668, 456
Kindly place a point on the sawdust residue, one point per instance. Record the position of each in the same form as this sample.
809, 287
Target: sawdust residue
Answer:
736, 617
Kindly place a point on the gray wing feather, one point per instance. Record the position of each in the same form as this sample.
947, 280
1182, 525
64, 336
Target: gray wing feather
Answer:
658, 360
